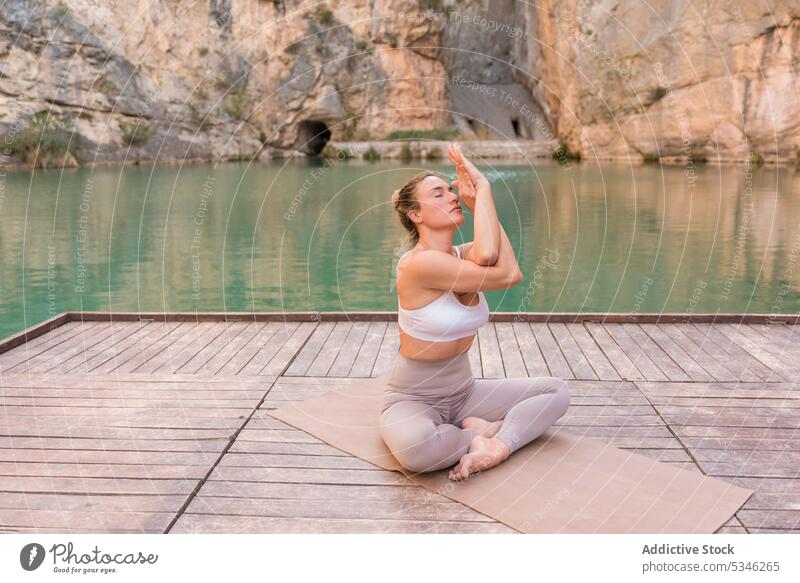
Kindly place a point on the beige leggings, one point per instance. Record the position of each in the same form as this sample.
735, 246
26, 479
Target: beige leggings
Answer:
424, 401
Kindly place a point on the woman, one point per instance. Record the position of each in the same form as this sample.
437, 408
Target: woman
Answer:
434, 413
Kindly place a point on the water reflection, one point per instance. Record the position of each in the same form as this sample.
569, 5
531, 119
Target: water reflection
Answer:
309, 236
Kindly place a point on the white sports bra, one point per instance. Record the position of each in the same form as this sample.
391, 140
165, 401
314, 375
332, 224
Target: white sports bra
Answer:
445, 318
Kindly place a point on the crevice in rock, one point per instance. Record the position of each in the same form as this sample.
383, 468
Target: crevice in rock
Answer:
312, 135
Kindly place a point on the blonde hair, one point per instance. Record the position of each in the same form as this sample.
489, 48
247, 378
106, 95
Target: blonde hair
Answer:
404, 199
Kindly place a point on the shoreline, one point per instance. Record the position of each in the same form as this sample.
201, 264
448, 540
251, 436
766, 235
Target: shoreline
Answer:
416, 150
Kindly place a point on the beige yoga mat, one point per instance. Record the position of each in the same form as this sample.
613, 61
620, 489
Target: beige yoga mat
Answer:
559, 483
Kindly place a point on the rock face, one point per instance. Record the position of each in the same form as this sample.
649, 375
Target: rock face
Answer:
221, 79
670, 78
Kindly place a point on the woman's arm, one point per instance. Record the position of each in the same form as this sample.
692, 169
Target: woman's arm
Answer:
476, 192
488, 231
505, 246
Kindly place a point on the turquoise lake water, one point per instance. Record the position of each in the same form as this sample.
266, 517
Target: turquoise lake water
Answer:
304, 236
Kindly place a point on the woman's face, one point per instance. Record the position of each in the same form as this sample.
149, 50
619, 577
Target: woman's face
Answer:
439, 205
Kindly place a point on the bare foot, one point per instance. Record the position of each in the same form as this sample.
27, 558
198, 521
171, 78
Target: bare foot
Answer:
482, 426
484, 453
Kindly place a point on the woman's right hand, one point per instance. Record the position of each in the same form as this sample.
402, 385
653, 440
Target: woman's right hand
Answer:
459, 160
467, 192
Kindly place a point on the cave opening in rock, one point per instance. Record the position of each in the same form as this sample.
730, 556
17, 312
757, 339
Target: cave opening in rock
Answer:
515, 125
312, 136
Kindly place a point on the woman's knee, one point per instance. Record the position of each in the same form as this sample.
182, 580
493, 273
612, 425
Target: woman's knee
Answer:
415, 456
563, 395
411, 443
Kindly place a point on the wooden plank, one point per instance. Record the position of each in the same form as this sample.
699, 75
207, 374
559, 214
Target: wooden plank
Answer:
269, 350
31, 333
210, 350
71, 502
229, 350
113, 382
368, 351
129, 421
735, 432
787, 459
77, 364
513, 363
197, 523
308, 353
678, 354
743, 443
81, 470
330, 349
109, 457
783, 486
121, 351
733, 362
177, 402
572, 352
116, 486
731, 530
491, 361
142, 354
719, 417
38, 345
650, 370
780, 340
176, 355
350, 347
726, 390
125, 392
240, 359
529, 348
740, 354
656, 354
104, 443
746, 405
623, 365
87, 336
772, 501
442, 512
598, 361
782, 519
39, 530
556, 362
144, 522
570, 419
281, 360
389, 349
714, 365
781, 369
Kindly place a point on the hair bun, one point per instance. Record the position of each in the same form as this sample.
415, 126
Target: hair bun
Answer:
396, 197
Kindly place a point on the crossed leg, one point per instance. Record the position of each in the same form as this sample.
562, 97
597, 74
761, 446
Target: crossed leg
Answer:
423, 439
420, 439
527, 407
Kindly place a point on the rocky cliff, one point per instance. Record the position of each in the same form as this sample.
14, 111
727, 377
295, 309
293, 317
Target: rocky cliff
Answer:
98, 81
674, 78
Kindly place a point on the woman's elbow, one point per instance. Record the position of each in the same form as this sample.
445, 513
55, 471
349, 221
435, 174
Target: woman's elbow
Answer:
486, 260
515, 278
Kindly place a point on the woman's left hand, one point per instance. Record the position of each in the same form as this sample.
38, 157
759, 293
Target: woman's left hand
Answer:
463, 182
458, 159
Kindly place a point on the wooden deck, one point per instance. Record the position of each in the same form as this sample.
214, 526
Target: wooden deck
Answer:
138, 425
